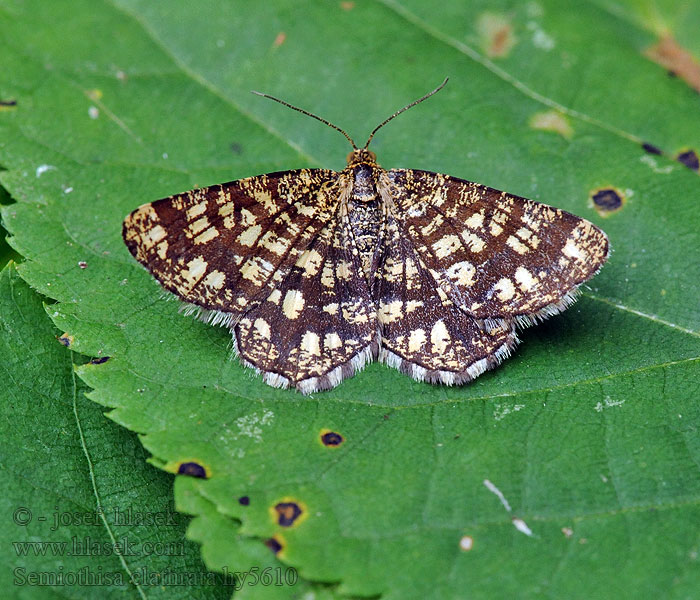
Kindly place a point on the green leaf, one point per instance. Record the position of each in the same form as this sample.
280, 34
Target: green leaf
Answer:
570, 471
83, 511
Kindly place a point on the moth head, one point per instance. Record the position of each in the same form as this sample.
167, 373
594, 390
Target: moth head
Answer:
361, 156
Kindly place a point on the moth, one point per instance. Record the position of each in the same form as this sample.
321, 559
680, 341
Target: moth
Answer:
318, 272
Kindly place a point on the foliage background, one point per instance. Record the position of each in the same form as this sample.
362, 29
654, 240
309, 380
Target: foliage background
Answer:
589, 432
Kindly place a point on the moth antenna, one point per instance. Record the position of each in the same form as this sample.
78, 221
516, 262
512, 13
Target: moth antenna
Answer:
308, 114
405, 108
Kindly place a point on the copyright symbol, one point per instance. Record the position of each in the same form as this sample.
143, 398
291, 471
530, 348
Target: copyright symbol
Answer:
22, 516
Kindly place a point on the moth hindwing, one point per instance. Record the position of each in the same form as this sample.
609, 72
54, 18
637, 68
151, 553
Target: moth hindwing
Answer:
317, 272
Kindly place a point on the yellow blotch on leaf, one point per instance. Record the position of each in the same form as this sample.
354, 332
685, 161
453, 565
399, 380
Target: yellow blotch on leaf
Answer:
554, 121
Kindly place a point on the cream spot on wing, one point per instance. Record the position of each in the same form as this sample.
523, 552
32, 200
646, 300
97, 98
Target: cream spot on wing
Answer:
206, 236
310, 343
257, 270
354, 312
262, 327
517, 245
275, 244
195, 270
416, 340
392, 269
307, 211
247, 217
215, 279
572, 250
310, 261
439, 197
523, 233
462, 273
439, 337
390, 312
327, 278
199, 225
162, 249
525, 279
475, 221
196, 210
223, 198
412, 305
275, 297
264, 198
331, 309
343, 270
495, 229
226, 209
433, 225
474, 242
154, 235
500, 216
331, 341
250, 235
293, 304
446, 246
505, 289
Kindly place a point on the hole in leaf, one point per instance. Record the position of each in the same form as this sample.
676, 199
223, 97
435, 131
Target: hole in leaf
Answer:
244, 501
99, 360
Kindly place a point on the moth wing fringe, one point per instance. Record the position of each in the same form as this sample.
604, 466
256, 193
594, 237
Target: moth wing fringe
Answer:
450, 378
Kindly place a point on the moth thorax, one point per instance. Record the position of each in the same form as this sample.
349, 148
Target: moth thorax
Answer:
365, 212
361, 155
364, 188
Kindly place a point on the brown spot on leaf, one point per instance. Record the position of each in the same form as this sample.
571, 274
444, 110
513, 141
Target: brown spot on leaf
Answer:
66, 339
607, 200
496, 34
331, 438
690, 159
651, 149
244, 501
99, 360
347, 5
82, 264
668, 53
192, 469
8, 104
287, 513
274, 544
236, 148
279, 40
